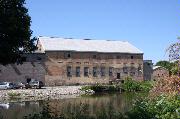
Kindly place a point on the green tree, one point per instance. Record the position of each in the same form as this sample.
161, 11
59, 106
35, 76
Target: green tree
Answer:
172, 67
166, 64
15, 33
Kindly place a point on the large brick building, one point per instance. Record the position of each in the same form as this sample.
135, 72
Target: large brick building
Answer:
85, 61
61, 61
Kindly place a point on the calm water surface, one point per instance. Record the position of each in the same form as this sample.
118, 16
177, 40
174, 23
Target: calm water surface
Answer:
93, 104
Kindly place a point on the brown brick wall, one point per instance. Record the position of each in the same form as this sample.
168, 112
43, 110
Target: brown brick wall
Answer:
160, 73
57, 64
51, 67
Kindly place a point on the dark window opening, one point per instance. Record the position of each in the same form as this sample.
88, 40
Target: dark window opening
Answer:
132, 69
118, 57
125, 69
86, 71
102, 71
94, 56
94, 71
77, 71
69, 72
132, 74
118, 75
110, 71
132, 57
125, 72
67, 55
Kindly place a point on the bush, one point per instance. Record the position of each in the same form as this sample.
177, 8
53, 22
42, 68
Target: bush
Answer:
131, 85
161, 107
163, 101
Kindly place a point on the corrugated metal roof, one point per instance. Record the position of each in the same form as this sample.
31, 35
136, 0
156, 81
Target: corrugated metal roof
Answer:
82, 45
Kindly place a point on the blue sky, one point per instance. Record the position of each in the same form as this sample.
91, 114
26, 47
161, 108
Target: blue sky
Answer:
150, 25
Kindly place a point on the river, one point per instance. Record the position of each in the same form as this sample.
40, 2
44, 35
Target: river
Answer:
90, 104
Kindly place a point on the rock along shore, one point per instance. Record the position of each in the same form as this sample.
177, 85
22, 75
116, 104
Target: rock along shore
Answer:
59, 92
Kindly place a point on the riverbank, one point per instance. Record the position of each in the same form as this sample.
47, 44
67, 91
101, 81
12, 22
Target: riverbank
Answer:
41, 94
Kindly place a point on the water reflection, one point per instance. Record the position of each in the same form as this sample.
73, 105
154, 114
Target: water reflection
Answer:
4, 105
89, 105
17, 110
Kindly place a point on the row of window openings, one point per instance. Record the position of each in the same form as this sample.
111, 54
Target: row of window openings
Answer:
68, 55
95, 71
86, 71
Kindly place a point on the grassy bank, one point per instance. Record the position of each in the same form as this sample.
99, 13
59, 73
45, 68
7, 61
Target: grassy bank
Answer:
129, 85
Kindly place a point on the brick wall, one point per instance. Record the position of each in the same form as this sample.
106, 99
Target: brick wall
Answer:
57, 63
33, 67
160, 73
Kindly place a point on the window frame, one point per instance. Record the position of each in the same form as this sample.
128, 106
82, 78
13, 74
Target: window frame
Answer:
86, 71
78, 71
69, 71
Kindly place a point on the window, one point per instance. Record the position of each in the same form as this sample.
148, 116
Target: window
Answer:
118, 57
102, 71
94, 56
110, 71
69, 72
86, 71
94, 71
132, 69
125, 72
67, 55
132, 57
132, 73
125, 69
77, 71
149, 64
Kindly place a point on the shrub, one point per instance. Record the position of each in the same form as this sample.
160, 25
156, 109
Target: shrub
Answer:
161, 107
163, 101
131, 85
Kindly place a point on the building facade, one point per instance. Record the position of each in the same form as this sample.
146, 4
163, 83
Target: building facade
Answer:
74, 61
148, 69
60, 61
32, 68
160, 72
